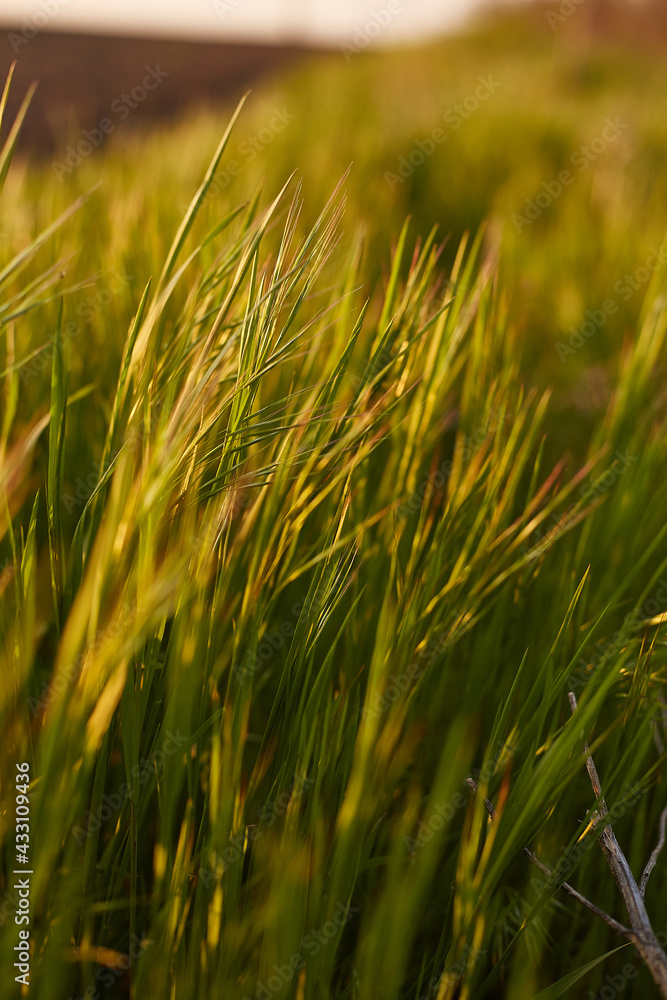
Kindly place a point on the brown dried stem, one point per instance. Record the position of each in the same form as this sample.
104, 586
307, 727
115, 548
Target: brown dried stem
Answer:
640, 931
534, 860
642, 936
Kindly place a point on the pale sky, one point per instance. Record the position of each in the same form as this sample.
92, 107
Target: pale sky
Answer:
308, 20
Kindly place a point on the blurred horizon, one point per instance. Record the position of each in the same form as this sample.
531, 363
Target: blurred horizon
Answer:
310, 22
83, 64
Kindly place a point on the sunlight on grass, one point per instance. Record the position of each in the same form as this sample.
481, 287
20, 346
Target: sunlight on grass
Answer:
289, 551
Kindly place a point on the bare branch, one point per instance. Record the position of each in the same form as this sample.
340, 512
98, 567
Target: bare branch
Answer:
590, 764
644, 937
614, 924
650, 864
640, 932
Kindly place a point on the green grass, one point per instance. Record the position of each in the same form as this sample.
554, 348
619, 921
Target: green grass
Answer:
305, 522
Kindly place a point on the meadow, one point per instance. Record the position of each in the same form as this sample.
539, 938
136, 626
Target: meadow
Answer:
332, 451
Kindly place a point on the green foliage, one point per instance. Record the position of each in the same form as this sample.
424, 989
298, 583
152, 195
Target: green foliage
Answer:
289, 550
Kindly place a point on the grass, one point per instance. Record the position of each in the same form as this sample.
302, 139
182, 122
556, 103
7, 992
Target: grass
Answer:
290, 548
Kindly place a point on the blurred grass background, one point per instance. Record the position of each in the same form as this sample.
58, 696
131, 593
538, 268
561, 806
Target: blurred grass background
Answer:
556, 92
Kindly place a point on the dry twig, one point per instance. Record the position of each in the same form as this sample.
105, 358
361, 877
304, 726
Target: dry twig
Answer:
534, 860
650, 864
640, 931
